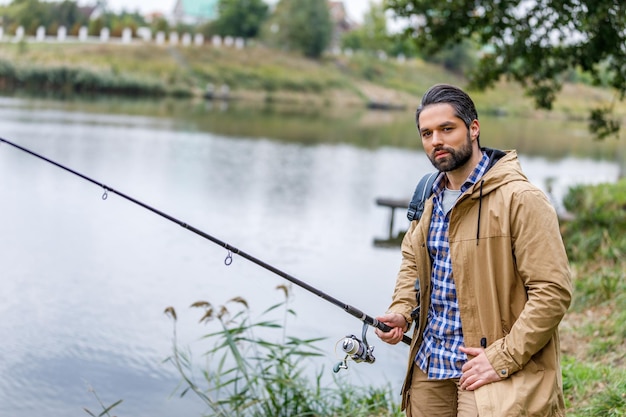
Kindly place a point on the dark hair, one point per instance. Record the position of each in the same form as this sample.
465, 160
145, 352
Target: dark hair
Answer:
460, 101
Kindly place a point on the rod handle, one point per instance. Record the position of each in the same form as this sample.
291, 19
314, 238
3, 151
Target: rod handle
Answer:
373, 322
382, 326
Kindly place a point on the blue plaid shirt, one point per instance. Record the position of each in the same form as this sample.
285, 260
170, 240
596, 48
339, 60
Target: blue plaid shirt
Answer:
439, 356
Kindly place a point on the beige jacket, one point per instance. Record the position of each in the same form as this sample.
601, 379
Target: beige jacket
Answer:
513, 286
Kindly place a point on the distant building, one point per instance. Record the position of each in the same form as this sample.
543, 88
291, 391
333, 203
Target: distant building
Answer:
195, 11
339, 15
94, 11
341, 22
154, 16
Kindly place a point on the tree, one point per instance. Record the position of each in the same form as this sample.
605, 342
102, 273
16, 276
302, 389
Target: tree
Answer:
534, 42
68, 14
29, 14
372, 34
240, 18
304, 25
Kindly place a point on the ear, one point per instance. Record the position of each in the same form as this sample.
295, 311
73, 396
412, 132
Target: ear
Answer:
474, 129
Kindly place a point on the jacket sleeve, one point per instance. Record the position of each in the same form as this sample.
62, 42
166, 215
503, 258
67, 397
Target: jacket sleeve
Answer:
542, 264
404, 294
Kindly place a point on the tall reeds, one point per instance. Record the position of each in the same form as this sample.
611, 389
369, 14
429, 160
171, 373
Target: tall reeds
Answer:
251, 372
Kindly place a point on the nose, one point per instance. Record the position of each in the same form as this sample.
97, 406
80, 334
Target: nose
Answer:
437, 139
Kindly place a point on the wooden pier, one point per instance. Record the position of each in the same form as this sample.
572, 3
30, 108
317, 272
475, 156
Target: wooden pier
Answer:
392, 204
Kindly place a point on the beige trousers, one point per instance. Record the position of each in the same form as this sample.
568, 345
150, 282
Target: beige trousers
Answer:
439, 398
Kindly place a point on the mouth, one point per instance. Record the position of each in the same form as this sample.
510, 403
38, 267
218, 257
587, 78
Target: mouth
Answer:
441, 154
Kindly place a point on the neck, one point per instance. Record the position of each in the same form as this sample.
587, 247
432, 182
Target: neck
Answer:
456, 178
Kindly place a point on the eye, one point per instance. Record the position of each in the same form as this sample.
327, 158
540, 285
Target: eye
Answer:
426, 134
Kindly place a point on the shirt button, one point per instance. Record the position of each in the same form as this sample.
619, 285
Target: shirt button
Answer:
503, 372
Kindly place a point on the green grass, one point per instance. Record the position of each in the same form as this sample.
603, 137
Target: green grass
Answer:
594, 330
269, 74
269, 375
593, 389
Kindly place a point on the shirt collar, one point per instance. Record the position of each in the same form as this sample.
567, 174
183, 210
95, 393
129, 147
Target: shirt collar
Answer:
478, 171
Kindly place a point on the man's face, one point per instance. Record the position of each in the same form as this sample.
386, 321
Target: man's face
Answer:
446, 140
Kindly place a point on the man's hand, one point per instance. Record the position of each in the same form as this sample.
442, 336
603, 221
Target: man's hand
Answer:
397, 323
477, 371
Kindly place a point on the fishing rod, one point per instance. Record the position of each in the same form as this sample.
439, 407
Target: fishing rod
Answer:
355, 349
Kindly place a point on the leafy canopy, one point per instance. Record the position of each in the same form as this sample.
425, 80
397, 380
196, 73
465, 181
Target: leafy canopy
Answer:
372, 34
304, 25
533, 42
241, 18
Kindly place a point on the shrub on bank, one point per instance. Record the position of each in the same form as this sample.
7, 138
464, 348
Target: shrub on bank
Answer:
599, 221
76, 80
593, 374
249, 374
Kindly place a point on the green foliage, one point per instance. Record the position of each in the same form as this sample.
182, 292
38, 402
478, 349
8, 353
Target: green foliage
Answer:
73, 80
599, 220
610, 402
601, 123
596, 244
303, 25
32, 14
7, 70
576, 377
600, 282
160, 24
265, 76
240, 18
372, 34
95, 26
594, 380
106, 410
593, 389
413, 77
265, 376
534, 43
459, 58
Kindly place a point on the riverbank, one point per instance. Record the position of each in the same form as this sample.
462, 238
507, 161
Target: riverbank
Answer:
251, 74
257, 74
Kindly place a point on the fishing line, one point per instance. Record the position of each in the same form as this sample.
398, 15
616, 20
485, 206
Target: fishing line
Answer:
106, 190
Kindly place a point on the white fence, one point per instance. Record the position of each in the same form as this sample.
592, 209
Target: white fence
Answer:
143, 34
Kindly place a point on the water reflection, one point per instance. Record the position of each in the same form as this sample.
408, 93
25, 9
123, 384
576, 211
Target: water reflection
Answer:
547, 135
86, 280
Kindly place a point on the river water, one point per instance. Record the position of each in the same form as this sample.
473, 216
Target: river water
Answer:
86, 279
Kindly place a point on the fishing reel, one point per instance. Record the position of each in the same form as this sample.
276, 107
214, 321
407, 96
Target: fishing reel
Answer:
355, 349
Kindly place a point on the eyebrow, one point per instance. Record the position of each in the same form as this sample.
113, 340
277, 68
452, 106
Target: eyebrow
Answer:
443, 124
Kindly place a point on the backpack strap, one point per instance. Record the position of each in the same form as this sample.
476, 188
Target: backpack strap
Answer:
422, 192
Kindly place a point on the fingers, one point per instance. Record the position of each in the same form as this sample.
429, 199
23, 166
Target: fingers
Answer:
472, 383
470, 351
392, 320
398, 324
393, 336
478, 371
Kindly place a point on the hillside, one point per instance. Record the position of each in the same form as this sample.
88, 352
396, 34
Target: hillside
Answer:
254, 73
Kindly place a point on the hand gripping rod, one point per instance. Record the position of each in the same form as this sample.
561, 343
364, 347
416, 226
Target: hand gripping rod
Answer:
231, 249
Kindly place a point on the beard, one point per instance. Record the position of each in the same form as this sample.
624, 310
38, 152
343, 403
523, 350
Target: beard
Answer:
456, 158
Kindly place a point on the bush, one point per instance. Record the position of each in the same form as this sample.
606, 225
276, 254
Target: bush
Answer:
257, 376
75, 80
597, 229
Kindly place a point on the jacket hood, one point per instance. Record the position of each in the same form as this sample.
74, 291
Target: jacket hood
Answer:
504, 167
